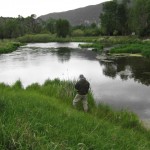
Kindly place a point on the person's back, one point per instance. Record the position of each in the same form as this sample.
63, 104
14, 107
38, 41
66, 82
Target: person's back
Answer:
82, 87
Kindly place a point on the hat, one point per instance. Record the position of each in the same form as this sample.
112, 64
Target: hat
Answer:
81, 76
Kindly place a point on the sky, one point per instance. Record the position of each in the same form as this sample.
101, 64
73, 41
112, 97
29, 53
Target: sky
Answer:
13, 8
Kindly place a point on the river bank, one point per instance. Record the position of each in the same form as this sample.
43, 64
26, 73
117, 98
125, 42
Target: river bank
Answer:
125, 44
42, 117
8, 46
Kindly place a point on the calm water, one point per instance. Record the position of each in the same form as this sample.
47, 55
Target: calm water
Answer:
124, 83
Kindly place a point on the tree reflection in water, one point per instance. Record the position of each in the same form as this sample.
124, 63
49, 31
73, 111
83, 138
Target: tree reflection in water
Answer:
63, 54
129, 67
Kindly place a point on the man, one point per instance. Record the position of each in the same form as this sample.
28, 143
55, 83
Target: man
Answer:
82, 87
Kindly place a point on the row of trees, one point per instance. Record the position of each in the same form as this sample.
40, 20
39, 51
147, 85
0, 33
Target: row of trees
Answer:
15, 27
123, 17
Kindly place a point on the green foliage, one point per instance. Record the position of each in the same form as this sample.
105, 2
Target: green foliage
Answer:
114, 18
146, 52
51, 25
143, 48
62, 28
113, 40
125, 17
41, 117
82, 30
15, 27
91, 32
108, 18
124, 118
17, 85
29, 38
8, 46
140, 15
77, 32
100, 39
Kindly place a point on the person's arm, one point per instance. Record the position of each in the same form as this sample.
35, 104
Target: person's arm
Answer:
77, 86
89, 88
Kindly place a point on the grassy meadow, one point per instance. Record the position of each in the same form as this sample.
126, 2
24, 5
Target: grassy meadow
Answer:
41, 117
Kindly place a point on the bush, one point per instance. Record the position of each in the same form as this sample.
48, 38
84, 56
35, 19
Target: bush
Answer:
77, 32
92, 32
146, 53
29, 38
143, 48
8, 46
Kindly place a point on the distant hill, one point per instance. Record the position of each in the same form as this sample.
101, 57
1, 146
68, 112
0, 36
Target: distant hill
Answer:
85, 15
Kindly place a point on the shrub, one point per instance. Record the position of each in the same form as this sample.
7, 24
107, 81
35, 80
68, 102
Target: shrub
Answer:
146, 53
77, 32
29, 38
8, 46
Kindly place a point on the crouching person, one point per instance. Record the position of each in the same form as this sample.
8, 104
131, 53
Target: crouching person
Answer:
82, 87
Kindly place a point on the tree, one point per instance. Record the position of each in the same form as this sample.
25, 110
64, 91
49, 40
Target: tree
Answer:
122, 18
108, 17
62, 28
114, 17
51, 25
11, 29
141, 17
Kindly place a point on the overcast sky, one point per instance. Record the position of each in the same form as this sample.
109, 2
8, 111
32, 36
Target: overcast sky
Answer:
13, 8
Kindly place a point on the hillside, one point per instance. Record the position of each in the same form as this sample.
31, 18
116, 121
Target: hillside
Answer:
85, 15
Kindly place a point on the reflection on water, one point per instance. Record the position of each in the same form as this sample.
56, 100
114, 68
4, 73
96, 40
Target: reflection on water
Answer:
136, 68
125, 83
63, 54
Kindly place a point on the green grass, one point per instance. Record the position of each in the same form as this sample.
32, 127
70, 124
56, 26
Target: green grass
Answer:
113, 40
143, 48
95, 46
30, 38
8, 46
41, 117
106, 40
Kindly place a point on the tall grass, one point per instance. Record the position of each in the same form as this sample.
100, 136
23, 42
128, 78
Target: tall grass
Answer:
42, 117
143, 48
106, 40
8, 46
113, 40
29, 38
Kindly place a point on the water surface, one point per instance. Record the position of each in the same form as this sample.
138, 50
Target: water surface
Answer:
124, 83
